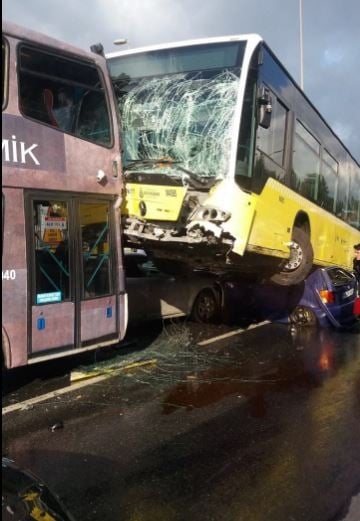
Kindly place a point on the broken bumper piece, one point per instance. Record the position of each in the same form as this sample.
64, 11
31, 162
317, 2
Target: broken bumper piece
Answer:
196, 232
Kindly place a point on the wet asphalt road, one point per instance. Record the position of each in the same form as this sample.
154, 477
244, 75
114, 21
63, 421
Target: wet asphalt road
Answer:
261, 426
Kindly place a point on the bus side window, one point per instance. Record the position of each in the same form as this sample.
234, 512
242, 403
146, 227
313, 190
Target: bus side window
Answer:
305, 174
58, 91
93, 120
271, 141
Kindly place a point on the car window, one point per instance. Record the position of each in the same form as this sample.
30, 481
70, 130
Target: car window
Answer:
339, 276
132, 266
139, 266
149, 268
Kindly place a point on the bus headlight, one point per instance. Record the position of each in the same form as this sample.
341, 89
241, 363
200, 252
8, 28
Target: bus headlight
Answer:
211, 214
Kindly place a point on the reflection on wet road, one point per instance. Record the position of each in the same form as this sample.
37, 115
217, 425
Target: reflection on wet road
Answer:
251, 375
261, 426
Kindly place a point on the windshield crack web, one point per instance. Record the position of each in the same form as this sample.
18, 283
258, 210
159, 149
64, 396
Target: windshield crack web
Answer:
187, 119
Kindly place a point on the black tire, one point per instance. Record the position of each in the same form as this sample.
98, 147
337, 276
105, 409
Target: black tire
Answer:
303, 316
299, 265
206, 307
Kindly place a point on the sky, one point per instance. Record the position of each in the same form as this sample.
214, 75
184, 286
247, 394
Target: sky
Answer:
330, 29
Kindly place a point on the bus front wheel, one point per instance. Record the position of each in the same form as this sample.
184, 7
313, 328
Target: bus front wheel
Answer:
296, 268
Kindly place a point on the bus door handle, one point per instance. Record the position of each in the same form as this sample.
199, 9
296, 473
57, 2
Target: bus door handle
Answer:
115, 168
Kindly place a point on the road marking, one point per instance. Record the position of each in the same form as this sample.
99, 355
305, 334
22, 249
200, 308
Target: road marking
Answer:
76, 376
231, 333
73, 387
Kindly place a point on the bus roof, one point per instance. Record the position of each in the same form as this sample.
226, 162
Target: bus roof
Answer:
25, 34
253, 38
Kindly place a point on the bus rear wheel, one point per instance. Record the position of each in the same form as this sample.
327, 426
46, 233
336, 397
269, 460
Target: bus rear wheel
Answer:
299, 264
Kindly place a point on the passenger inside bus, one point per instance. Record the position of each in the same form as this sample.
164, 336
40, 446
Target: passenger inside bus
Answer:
64, 110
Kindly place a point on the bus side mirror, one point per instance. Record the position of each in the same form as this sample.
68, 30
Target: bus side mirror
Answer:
97, 48
265, 107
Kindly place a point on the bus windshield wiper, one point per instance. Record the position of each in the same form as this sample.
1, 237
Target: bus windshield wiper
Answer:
150, 161
195, 180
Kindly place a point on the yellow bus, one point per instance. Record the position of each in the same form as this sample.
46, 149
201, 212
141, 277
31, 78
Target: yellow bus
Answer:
228, 165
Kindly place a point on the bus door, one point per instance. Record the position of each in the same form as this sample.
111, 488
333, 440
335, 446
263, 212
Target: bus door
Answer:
73, 282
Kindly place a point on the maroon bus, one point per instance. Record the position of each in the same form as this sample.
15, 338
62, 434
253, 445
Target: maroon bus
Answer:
63, 278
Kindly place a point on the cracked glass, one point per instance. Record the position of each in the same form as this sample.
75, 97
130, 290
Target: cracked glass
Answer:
178, 107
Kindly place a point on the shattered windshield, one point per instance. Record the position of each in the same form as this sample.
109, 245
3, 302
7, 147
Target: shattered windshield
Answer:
177, 107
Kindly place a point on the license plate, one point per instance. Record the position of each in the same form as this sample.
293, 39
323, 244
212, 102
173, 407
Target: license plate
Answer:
348, 293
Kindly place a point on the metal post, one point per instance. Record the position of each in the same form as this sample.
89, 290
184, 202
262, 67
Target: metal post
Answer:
301, 47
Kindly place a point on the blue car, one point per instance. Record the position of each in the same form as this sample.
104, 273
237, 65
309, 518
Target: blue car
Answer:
326, 298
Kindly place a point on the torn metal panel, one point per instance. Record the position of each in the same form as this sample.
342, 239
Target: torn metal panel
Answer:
206, 220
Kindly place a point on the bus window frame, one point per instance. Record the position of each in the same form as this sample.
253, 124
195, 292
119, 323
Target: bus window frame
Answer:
354, 180
326, 164
287, 129
76, 282
29, 198
296, 135
86, 199
258, 182
309, 131
5, 66
324, 149
75, 59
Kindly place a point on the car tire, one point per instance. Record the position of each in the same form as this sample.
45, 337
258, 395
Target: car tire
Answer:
206, 307
303, 316
299, 265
